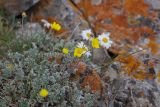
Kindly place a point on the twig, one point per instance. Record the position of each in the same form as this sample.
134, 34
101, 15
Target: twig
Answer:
136, 52
74, 31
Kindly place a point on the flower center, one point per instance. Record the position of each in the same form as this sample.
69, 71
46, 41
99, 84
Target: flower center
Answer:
88, 35
79, 52
84, 49
105, 40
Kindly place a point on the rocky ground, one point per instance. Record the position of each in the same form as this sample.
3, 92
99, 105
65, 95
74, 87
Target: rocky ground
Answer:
122, 91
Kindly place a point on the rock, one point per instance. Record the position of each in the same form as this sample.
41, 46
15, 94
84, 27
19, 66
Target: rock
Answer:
131, 92
15, 7
77, 1
51, 10
155, 4
100, 56
96, 2
111, 73
59, 10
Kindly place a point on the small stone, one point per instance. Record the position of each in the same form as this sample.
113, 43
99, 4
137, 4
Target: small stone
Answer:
96, 2
100, 56
77, 1
155, 4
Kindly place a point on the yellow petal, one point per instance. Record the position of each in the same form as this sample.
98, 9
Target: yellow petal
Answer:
56, 26
95, 43
65, 50
10, 66
43, 92
78, 52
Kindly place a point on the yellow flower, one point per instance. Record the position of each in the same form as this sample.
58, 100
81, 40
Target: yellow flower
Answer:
43, 92
10, 66
56, 26
95, 43
65, 50
78, 52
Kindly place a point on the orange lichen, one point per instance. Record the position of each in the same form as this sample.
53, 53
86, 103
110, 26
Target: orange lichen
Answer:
81, 68
153, 46
136, 7
58, 59
93, 81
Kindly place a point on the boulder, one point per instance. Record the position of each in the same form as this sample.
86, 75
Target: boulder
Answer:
15, 7
155, 4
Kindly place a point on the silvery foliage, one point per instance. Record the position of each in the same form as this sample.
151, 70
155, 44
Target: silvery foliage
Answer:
20, 85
